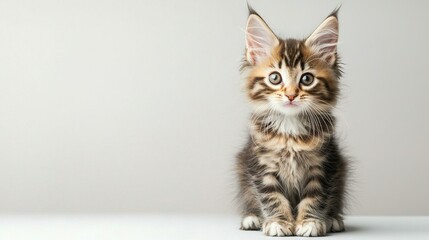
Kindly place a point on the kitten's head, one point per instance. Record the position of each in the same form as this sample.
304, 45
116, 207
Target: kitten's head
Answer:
290, 76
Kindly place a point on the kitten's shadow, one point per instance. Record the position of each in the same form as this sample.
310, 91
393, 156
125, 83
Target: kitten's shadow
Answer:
353, 228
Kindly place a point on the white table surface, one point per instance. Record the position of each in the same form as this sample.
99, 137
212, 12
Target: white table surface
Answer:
189, 227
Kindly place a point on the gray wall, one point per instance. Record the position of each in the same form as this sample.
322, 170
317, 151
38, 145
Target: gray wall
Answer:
136, 106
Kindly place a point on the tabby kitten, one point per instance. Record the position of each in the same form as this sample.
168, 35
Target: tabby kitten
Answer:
291, 172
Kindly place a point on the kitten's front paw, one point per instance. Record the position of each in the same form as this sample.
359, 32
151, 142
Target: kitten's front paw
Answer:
337, 225
250, 222
277, 228
310, 228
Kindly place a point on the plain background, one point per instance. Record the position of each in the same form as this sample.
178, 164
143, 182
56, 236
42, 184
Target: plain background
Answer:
137, 106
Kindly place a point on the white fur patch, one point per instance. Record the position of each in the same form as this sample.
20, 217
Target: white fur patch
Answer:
311, 228
250, 222
277, 229
284, 124
292, 126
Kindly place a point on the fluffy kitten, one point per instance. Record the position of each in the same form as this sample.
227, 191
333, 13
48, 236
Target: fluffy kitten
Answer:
291, 172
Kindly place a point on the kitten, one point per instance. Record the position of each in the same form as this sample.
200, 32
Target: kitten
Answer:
291, 172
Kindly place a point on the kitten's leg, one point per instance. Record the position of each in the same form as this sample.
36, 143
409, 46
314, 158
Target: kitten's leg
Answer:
251, 208
311, 218
251, 213
275, 206
309, 221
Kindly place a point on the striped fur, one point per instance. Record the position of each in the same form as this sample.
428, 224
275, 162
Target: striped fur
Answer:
291, 172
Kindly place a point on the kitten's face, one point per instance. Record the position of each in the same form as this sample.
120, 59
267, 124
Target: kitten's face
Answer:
291, 76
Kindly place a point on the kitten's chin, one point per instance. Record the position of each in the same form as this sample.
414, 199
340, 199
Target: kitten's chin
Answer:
289, 109
286, 109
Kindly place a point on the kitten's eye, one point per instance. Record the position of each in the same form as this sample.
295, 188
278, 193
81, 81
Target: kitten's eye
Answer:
275, 78
306, 79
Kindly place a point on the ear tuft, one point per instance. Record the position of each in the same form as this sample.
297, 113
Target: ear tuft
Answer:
324, 39
260, 40
251, 10
335, 12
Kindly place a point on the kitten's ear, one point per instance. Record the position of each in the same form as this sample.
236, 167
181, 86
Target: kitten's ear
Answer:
260, 40
325, 38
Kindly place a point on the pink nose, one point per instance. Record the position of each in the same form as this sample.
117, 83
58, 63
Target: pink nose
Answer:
291, 97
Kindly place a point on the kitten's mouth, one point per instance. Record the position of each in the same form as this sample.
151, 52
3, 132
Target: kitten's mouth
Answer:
291, 104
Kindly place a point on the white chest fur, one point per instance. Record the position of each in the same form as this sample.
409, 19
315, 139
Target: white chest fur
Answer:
291, 125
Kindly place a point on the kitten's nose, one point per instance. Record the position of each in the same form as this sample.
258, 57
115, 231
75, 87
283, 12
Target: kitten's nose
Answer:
291, 97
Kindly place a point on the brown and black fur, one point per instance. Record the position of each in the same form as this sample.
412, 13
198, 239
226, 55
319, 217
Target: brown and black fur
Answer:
293, 184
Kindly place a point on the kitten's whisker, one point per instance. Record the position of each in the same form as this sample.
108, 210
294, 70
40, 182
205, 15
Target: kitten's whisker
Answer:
327, 118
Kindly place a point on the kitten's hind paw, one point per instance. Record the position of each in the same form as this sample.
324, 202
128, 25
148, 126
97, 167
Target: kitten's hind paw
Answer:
277, 228
310, 228
250, 222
